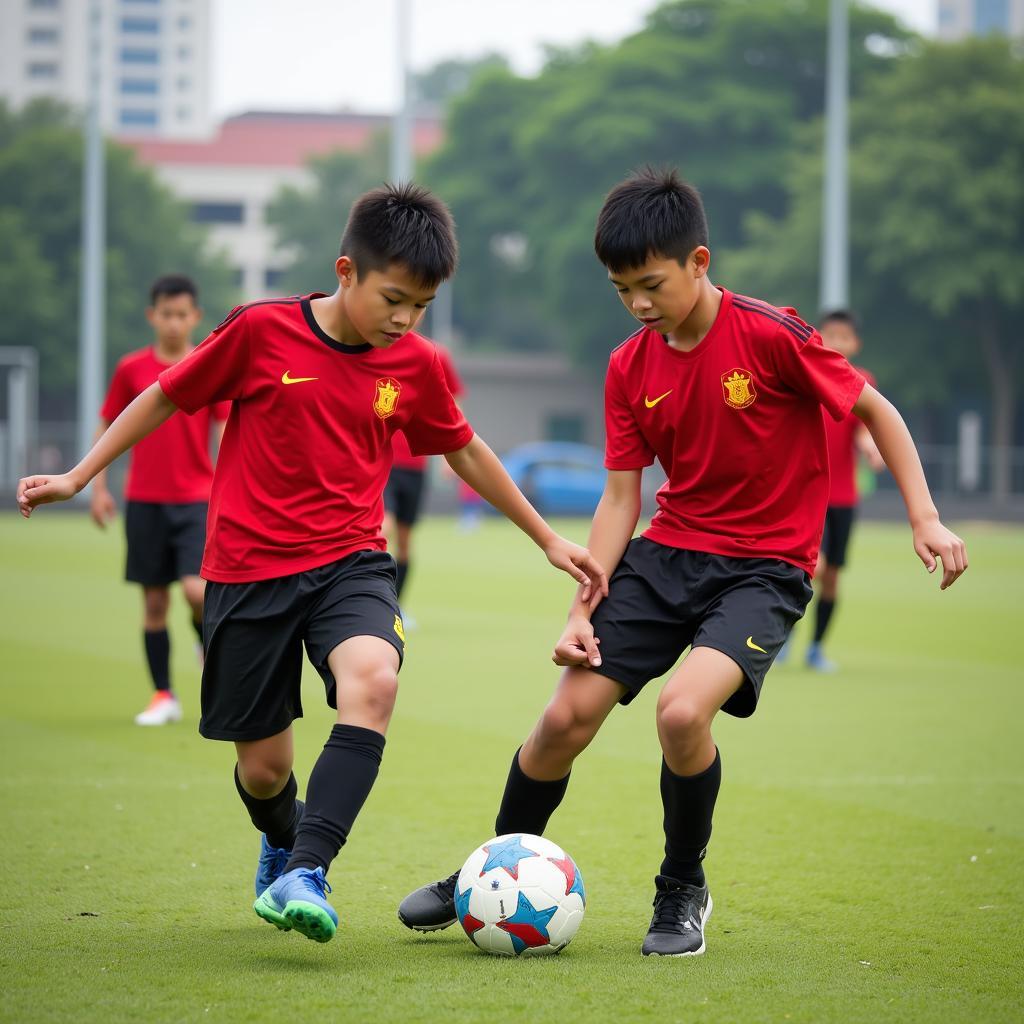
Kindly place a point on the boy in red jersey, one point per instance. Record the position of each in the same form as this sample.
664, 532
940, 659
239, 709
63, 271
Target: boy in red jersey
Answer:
167, 488
727, 393
407, 483
294, 553
845, 439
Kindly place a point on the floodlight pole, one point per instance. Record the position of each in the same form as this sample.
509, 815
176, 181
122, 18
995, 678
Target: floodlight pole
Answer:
401, 126
92, 279
835, 272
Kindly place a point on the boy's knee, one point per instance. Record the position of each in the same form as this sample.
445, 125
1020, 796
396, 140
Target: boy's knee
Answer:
563, 725
263, 777
379, 687
682, 720
194, 590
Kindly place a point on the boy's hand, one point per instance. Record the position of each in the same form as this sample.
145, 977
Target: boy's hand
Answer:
41, 490
580, 564
577, 644
102, 506
932, 540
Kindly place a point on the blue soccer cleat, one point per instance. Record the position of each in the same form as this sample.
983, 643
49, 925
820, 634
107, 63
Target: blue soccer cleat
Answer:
297, 900
817, 662
273, 860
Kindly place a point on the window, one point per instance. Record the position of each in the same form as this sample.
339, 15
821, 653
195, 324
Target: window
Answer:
184, 113
991, 16
185, 23
134, 55
565, 427
273, 278
42, 69
237, 277
184, 53
44, 5
149, 26
43, 35
139, 86
184, 83
139, 119
218, 213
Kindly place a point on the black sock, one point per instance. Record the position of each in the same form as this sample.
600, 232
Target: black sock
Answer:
197, 625
822, 618
527, 803
277, 816
158, 655
403, 572
689, 802
339, 784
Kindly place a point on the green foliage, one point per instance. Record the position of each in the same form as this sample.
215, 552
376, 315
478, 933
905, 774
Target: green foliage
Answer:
310, 221
148, 234
449, 78
720, 89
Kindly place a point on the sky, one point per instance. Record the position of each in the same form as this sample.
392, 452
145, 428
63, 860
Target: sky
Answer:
340, 54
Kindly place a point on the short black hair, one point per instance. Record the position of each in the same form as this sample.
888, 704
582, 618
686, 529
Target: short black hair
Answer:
172, 284
404, 224
837, 316
652, 213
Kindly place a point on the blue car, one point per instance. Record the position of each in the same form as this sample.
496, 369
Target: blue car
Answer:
560, 478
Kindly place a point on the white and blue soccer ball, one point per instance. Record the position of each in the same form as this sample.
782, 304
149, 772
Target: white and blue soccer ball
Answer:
520, 895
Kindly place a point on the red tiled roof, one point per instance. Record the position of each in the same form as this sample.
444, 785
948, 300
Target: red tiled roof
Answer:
280, 140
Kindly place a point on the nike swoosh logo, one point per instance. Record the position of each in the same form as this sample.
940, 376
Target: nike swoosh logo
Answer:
652, 402
753, 646
286, 378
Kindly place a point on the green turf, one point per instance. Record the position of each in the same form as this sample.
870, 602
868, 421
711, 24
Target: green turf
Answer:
866, 865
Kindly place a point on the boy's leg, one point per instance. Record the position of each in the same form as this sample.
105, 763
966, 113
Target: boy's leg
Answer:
691, 773
537, 780
194, 587
403, 551
164, 707
835, 541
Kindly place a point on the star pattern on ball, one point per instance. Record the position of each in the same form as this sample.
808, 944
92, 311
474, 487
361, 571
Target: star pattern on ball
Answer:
528, 926
469, 923
573, 878
507, 855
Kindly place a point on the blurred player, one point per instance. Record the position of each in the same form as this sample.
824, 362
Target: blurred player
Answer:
167, 489
407, 484
727, 393
295, 556
846, 439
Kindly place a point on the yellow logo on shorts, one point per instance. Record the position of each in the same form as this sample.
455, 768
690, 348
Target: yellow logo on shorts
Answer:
399, 629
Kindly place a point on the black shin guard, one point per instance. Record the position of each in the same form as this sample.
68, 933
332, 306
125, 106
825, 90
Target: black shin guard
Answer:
689, 802
339, 784
276, 817
527, 803
158, 657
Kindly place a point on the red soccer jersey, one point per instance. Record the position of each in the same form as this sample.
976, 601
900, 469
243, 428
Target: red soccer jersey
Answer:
307, 447
172, 465
403, 456
842, 456
736, 424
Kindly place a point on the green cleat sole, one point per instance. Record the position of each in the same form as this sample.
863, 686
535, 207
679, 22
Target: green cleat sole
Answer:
265, 909
309, 920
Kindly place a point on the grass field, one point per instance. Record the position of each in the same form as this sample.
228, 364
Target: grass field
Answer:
867, 862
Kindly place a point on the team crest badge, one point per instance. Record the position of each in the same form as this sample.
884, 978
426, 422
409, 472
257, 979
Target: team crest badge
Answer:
388, 390
739, 388
399, 629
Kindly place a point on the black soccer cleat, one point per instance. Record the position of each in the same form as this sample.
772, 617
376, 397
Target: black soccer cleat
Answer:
680, 912
431, 907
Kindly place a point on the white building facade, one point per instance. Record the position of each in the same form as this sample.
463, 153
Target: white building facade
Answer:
960, 18
154, 58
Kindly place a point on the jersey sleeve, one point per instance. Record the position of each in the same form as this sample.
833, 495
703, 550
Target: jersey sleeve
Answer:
809, 368
451, 375
625, 447
119, 394
215, 371
437, 425
221, 411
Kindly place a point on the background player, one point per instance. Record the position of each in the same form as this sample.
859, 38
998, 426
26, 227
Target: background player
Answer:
167, 487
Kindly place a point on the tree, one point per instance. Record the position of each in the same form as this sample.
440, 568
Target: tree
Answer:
148, 234
937, 230
717, 87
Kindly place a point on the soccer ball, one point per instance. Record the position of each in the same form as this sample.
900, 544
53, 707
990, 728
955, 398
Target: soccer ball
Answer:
520, 895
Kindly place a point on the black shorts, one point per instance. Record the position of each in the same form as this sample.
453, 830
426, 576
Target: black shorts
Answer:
662, 600
836, 538
165, 542
254, 633
403, 494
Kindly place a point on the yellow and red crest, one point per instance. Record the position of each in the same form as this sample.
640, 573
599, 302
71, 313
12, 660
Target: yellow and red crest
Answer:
739, 388
386, 400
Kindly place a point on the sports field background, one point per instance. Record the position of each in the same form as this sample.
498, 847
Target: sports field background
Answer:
867, 860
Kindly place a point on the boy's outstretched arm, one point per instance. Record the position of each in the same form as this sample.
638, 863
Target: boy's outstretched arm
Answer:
140, 418
615, 520
483, 471
931, 539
